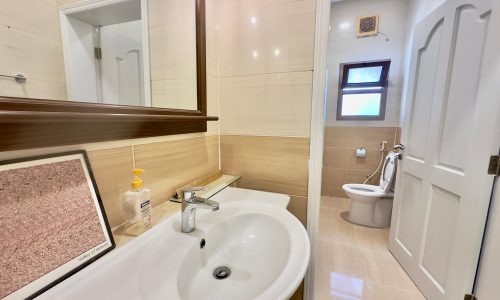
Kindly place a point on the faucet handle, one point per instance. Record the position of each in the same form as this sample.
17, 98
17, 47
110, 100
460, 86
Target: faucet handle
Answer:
189, 191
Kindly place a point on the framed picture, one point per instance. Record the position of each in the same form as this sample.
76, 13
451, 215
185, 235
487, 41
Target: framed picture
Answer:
52, 222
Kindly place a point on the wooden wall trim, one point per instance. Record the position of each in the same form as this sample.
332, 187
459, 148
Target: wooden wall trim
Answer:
34, 123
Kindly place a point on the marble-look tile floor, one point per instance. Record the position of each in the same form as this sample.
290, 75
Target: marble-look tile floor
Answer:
353, 261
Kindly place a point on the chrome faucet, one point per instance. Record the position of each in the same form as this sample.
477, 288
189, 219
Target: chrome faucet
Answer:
189, 205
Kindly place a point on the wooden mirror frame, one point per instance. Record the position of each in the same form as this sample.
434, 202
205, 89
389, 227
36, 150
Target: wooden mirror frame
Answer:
33, 123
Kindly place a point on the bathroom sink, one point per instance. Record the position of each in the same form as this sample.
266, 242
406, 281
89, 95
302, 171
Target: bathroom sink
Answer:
246, 250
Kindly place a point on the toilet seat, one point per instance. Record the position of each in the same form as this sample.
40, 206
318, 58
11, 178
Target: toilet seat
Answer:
364, 189
388, 172
386, 181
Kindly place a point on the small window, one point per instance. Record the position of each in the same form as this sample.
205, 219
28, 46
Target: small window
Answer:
363, 91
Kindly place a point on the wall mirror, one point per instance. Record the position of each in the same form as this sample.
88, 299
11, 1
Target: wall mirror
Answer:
124, 52
131, 61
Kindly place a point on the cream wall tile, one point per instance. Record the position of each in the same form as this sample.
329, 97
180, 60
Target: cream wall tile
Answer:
179, 94
172, 50
212, 103
112, 169
163, 12
211, 37
263, 36
172, 164
273, 104
33, 56
274, 164
33, 89
39, 18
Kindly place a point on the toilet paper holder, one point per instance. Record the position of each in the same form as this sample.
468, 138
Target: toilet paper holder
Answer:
360, 152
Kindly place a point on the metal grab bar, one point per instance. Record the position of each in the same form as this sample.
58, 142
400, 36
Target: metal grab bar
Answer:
19, 78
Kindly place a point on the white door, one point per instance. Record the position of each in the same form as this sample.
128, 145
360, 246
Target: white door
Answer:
443, 188
122, 78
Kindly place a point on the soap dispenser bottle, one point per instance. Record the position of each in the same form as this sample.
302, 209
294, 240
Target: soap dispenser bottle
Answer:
137, 206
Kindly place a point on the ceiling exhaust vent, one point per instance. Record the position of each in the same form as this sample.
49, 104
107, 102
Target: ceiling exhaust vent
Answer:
367, 26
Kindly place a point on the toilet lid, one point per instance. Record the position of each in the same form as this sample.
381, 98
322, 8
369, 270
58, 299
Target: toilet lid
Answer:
388, 171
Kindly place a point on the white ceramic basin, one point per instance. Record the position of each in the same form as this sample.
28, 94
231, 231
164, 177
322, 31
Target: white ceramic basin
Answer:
266, 248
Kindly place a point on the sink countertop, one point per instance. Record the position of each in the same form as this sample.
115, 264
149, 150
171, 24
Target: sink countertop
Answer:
149, 268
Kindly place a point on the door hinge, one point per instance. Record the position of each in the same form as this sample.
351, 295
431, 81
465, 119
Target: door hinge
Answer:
470, 297
98, 53
494, 166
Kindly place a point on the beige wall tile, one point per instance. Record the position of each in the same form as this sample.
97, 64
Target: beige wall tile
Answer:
38, 18
299, 293
371, 137
273, 104
358, 176
356, 169
369, 162
264, 36
333, 178
335, 157
339, 137
274, 164
397, 139
298, 207
341, 203
332, 191
112, 169
172, 164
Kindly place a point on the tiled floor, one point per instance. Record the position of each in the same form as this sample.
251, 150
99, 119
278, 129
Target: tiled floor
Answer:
353, 261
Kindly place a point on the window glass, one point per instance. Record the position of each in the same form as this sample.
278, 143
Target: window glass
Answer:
363, 75
367, 104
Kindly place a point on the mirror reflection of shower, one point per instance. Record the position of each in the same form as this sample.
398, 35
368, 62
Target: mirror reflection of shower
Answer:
104, 53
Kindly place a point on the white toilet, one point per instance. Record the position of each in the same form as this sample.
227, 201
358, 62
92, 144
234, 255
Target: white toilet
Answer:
372, 205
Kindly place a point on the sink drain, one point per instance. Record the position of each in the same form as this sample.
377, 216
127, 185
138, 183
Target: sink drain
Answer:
222, 272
